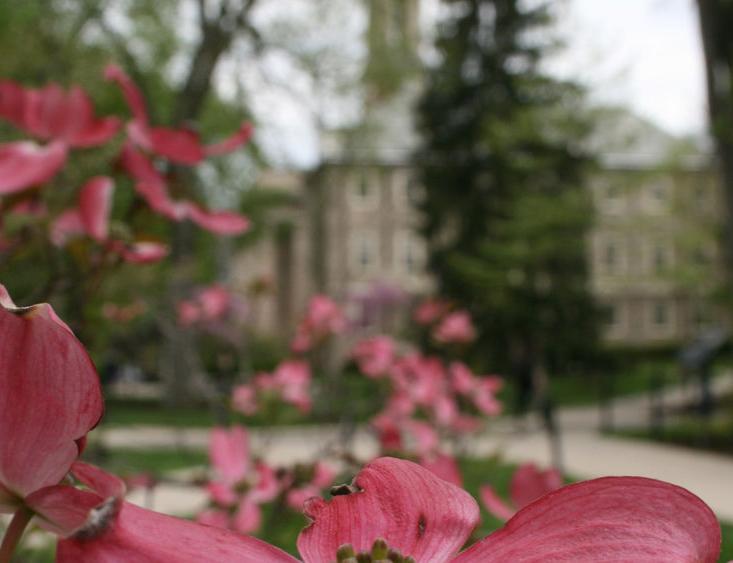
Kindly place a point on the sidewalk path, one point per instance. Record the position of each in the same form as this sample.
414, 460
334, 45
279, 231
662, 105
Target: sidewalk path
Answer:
586, 453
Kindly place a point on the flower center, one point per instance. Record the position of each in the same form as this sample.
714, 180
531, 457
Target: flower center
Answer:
380, 553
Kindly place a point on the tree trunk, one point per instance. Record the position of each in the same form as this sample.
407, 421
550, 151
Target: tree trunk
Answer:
715, 21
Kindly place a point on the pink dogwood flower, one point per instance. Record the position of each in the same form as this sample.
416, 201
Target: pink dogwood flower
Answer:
52, 114
50, 398
182, 146
321, 476
430, 311
323, 318
425, 517
240, 485
209, 304
244, 399
528, 484
480, 390
444, 466
429, 519
375, 356
97, 526
455, 328
290, 381
23, 164
90, 217
152, 187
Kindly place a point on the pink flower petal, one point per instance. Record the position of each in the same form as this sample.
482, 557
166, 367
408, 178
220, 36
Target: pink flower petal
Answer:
138, 166
267, 486
12, 102
177, 145
81, 128
95, 205
98, 480
529, 483
222, 493
296, 498
444, 466
62, 509
130, 91
219, 222
323, 475
425, 436
406, 505
24, 164
244, 397
609, 519
230, 143
51, 113
229, 453
455, 328
49, 398
65, 226
215, 301
156, 196
143, 536
141, 252
214, 517
66, 510
494, 504
248, 517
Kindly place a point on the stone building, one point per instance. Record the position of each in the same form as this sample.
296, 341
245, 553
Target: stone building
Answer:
352, 227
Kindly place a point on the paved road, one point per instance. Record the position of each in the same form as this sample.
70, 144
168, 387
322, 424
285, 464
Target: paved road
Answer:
586, 453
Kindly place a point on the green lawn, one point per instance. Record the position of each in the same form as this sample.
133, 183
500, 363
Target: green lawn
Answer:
130, 461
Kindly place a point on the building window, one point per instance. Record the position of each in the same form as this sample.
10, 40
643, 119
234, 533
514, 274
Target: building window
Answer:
700, 317
415, 193
364, 192
610, 258
657, 195
660, 314
699, 257
364, 252
610, 196
410, 253
612, 193
660, 259
700, 197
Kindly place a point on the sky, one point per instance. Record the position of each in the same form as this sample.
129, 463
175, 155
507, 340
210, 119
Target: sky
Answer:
642, 54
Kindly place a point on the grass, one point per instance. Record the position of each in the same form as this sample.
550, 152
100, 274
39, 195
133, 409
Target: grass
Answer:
131, 461
281, 526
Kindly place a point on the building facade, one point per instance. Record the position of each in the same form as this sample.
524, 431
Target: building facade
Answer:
353, 228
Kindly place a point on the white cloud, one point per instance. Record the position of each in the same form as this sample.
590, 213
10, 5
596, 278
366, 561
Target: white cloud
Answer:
644, 54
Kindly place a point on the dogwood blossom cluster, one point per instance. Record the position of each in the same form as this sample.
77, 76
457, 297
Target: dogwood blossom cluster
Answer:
394, 509
427, 398
65, 122
446, 326
323, 318
209, 304
290, 383
241, 484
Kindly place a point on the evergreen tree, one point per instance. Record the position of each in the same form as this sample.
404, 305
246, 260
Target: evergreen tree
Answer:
506, 211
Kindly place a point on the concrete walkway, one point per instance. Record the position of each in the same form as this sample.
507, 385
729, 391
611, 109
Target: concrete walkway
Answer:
586, 452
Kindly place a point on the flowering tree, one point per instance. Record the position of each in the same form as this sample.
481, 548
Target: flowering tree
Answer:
82, 234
